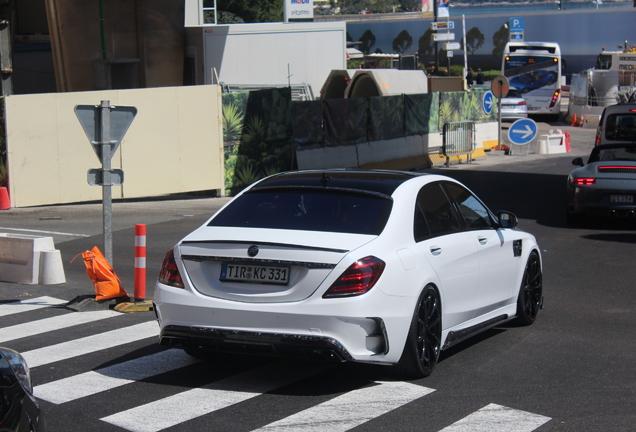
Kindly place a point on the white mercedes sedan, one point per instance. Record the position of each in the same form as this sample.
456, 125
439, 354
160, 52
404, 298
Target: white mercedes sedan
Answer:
378, 267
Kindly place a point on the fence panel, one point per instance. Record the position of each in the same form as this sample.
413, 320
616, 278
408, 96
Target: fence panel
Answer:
458, 139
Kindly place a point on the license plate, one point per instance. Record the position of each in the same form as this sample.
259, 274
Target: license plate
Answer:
622, 198
254, 274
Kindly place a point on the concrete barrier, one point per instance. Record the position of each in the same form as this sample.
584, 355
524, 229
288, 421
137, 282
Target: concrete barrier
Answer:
555, 143
30, 259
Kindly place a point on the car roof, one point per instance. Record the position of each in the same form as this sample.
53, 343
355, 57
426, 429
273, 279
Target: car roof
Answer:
622, 107
374, 181
614, 145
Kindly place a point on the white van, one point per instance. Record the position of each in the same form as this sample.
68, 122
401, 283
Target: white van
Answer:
617, 125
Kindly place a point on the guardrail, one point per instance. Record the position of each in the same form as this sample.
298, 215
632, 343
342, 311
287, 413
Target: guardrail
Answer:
458, 139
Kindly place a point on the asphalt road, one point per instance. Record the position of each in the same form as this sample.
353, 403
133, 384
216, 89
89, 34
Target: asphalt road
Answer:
572, 369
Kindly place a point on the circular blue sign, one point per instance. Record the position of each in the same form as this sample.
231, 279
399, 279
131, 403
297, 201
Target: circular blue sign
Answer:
488, 101
522, 131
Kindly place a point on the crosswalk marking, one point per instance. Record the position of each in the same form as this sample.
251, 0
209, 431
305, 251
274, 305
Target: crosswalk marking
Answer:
497, 418
93, 382
338, 414
29, 305
351, 409
89, 344
194, 403
55, 323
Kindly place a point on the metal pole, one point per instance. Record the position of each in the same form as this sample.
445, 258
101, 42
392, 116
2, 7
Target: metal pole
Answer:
499, 114
465, 50
107, 193
435, 20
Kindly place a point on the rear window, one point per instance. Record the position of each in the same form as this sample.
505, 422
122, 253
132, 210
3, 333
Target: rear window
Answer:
613, 153
621, 127
514, 93
307, 210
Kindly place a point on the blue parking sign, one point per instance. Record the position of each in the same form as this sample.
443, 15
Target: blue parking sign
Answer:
516, 24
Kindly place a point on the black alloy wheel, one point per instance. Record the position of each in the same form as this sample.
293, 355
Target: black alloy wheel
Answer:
423, 343
531, 292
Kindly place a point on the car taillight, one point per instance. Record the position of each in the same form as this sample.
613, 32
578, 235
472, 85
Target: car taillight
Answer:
169, 273
584, 181
522, 103
555, 97
358, 279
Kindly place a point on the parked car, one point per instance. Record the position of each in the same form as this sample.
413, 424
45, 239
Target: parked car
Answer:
368, 266
513, 106
617, 125
19, 410
606, 185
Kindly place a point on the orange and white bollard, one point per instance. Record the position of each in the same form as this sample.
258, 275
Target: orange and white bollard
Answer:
140, 262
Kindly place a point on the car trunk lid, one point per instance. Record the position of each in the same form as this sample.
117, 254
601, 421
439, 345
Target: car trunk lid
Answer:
263, 265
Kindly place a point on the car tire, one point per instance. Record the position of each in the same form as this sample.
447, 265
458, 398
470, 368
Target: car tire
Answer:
530, 298
423, 343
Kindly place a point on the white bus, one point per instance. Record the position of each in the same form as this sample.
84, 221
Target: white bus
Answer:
534, 68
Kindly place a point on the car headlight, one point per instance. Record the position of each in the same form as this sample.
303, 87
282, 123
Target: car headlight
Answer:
10, 359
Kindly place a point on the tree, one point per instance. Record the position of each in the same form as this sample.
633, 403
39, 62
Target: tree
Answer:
474, 40
499, 40
253, 12
425, 46
402, 42
410, 5
368, 41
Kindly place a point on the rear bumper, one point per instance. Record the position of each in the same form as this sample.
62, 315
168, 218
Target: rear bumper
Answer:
597, 202
299, 346
603, 209
371, 329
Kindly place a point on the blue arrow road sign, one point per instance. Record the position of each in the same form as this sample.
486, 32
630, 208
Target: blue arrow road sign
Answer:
488, 101
522, 131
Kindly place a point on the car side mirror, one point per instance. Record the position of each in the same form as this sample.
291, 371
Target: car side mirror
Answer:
578, 161
507, 219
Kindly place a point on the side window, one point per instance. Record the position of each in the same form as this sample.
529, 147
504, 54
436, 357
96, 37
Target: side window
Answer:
420, 227
436, 210
475, 214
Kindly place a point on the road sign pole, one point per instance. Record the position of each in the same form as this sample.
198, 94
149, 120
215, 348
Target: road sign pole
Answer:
107, 192
105, 126
499, 118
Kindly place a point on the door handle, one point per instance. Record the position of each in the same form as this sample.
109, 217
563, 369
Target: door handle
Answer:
482, 240
436, 250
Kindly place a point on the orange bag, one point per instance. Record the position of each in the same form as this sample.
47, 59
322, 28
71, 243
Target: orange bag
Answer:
107, 284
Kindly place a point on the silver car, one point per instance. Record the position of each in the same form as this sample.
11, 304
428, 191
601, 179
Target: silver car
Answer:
513, 106
605, 186
617, 125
